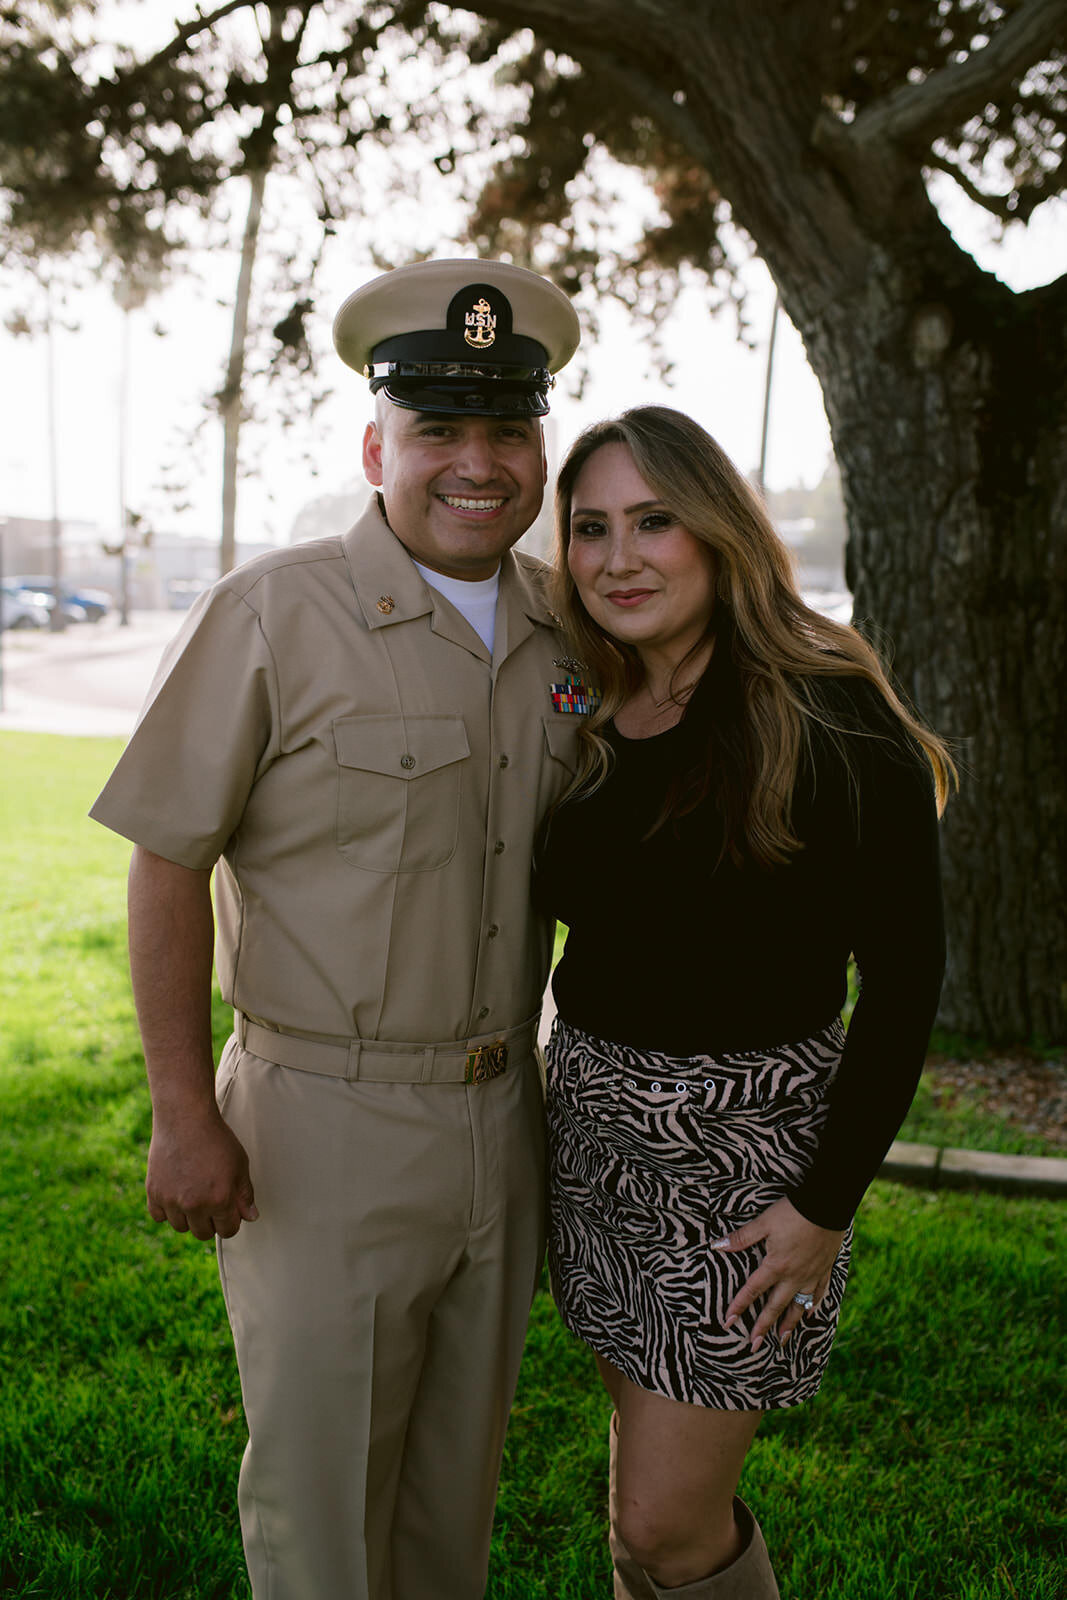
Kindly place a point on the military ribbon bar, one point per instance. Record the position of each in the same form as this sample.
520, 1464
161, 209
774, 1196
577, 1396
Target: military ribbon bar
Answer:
574, 696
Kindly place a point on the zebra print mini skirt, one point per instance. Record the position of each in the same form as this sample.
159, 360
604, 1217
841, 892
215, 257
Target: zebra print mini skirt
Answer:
651, 1158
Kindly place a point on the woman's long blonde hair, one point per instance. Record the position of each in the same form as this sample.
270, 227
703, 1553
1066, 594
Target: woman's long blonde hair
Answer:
778, 647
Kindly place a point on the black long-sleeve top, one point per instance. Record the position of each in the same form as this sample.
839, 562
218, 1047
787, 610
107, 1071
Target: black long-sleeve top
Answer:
673, 947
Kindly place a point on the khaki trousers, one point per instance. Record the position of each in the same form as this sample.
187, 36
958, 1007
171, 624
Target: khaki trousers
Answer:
379, 1305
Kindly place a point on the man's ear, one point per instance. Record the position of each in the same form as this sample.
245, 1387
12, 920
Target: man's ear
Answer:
372, 455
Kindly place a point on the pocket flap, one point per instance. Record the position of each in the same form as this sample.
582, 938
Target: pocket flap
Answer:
400, 747
561, 736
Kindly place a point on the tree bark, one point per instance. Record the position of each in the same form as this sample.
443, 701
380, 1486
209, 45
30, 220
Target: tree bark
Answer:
281, 56
232, 396
954, 469
947, 401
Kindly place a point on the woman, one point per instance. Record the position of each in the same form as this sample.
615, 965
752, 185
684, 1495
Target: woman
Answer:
754, 804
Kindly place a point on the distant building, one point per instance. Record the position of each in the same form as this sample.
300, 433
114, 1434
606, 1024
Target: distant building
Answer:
174, 568
165, 569
812, 523
328, 514
26, 546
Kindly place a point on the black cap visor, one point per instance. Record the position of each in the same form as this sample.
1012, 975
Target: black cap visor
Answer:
455, 388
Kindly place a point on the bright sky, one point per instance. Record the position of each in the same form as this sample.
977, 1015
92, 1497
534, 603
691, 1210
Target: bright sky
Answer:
178, 346
716, 378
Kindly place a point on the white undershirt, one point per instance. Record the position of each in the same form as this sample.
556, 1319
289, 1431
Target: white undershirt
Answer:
476, 601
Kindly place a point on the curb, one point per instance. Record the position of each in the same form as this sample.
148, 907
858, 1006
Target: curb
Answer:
942, 1167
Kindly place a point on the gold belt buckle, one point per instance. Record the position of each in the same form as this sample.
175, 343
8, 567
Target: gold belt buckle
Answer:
488, 1061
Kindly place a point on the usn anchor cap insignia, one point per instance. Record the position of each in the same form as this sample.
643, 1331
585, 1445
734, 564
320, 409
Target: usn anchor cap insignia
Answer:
469, 337
479, 325
386, 604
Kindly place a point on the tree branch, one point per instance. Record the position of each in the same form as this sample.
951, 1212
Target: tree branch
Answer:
200, 23
996, 204
916, 113
580, 35
673, 116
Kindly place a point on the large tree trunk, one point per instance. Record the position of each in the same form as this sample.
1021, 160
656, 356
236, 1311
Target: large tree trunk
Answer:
947, 399
954, 468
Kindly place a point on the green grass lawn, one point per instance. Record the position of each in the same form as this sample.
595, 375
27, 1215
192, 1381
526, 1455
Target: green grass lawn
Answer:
929, 1467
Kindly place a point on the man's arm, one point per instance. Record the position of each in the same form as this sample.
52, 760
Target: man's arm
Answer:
198, 1177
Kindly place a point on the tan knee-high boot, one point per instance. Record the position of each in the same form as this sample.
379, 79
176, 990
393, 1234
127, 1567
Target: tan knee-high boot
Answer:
631, 1581
749, 1577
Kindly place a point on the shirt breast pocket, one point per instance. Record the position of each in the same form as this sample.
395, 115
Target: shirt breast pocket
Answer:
561, 737
399, 786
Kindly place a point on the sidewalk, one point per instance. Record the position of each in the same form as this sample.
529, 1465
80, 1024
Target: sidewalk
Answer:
90, 681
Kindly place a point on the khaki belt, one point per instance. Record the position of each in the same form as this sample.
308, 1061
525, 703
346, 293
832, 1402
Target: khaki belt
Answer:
382, 1061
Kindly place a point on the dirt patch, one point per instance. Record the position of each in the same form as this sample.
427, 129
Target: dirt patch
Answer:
1030, 1092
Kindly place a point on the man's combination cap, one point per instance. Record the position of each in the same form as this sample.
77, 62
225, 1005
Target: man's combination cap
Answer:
479, 337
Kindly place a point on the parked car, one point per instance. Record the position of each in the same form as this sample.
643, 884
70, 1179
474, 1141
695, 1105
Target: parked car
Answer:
23, 608
79, 605
181, 592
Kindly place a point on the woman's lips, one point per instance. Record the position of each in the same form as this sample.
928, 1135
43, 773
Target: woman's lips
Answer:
628, 598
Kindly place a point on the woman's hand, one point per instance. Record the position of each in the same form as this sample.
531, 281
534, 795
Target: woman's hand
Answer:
798, 1259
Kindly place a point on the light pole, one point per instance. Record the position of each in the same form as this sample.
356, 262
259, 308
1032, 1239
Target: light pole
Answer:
131, 292
127, 300
762, 471
57, 619
3, 529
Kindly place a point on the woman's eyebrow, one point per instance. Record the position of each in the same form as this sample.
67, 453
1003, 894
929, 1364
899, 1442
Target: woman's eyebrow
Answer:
595, 511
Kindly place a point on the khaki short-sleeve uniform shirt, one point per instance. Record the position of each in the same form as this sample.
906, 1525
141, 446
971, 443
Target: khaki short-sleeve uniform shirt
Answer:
334, 734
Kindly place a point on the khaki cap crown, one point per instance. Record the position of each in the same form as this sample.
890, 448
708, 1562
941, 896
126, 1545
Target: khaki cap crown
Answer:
416, 299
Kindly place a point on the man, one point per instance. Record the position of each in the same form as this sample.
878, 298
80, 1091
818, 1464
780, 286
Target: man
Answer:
363, 733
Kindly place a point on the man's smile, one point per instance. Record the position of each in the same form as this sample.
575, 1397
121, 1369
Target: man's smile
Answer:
468, 503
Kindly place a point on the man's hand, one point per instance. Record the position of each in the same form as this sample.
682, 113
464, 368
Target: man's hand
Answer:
198, 1179
197, 1170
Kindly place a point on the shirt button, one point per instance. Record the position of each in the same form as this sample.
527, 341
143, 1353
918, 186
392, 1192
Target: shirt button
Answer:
498, 848
483, 1013
492, 930
503, 761
407, 762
